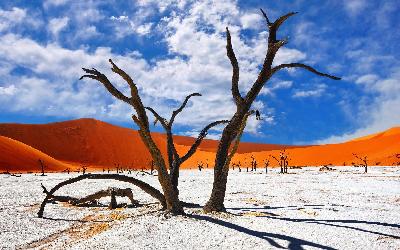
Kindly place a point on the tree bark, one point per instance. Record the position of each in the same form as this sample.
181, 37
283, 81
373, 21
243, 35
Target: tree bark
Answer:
144, 186
216, 200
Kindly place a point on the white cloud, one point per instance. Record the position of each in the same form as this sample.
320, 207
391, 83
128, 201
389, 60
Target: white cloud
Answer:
379, 113
144, 29
196, 62
251, 20
7, 91
49, 3
56, 25
11, 17
17, 18
354, 7
317, 92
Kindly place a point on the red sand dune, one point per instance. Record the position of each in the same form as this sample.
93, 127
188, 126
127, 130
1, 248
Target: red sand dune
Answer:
99, 144
85, 142
17, 156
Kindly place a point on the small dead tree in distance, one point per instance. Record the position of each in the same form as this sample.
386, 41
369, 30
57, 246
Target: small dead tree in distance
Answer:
243, 105
168, 181
42, 167
364, 161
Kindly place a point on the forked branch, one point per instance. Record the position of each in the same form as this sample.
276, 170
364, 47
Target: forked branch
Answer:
176, 112
96, 75
200, 138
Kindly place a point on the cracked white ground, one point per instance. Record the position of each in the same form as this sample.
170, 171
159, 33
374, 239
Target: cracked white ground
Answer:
305, 209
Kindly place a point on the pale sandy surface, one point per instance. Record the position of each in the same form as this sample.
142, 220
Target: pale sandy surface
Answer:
306, 209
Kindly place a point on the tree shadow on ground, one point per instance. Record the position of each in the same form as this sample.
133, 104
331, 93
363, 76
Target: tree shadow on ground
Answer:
333, 223
294, 243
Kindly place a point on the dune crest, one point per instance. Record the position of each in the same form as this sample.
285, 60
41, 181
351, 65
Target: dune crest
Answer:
102, 145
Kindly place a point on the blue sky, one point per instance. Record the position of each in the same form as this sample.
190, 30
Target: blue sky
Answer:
173, 48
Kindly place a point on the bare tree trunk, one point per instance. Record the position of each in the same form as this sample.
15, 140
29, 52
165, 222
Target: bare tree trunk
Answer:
243, 104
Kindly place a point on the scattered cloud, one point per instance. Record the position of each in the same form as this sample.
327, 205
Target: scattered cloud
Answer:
354, 7
377, 114
56, 25
316, 92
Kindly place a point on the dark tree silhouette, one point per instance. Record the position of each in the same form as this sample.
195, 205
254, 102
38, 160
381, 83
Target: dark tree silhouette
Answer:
364, 162
42, 167
266, 163
244, 103
168, 181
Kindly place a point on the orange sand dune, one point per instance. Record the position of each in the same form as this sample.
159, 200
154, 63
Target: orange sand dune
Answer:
17, 156
244, 147
85, 141
99, 144
381, 149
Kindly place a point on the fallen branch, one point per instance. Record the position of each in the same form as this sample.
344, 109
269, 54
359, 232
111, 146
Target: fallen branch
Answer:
144, 186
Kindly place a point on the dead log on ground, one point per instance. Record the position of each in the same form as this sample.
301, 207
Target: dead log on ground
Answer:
91, 199
144, 186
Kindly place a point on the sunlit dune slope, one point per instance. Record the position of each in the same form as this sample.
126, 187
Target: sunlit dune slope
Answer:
244, 147
17, 156
98, 144
85, 141
380, 149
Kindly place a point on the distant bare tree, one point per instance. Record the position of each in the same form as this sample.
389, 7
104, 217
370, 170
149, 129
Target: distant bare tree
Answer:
364, 162
84, 168
42, 167
253, 163
266, 164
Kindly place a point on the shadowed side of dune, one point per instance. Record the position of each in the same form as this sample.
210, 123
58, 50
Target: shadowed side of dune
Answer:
17, 156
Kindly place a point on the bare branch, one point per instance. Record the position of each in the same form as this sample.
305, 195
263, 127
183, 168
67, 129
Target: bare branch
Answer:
135, 100
200, 138
96, 75
176, 112
125, 76
266, 17
273, 28
235, 69
300, 65
158, 117
282, 19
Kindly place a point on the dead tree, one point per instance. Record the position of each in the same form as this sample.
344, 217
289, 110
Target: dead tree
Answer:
42, 167
174, 159
253, 163
364, 162
168, 181
92, 198
284, 161
279, 163
84, 168
200, 166
266, 164
151, 167
7, 171
244, 103
144, 186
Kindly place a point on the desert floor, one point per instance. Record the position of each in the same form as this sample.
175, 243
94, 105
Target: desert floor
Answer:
305, 209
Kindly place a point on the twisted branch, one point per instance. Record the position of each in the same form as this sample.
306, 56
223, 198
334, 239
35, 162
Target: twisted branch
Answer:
176, 112
235, 69
300, 65
200, 138
96, 75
